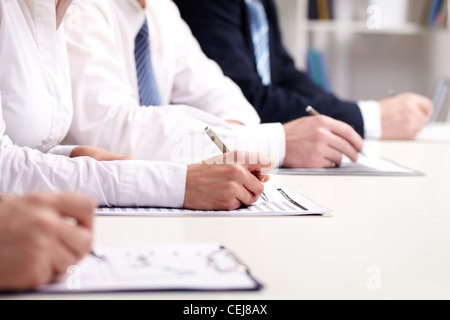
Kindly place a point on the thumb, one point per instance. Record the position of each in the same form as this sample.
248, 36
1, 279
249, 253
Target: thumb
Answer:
261, 176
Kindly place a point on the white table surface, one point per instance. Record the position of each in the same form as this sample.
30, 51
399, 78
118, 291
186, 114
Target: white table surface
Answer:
394, 230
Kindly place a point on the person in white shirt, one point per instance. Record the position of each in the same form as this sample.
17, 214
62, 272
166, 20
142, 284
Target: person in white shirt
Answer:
36, 112
191, 92
36, 242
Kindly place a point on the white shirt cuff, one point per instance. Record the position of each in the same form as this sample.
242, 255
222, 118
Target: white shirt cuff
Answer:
371, 114
62, 150
164, 185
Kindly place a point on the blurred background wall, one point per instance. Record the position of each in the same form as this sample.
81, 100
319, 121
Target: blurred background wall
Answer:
371, 47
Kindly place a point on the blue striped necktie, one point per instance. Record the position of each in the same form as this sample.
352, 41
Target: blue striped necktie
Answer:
148, 87
259, 27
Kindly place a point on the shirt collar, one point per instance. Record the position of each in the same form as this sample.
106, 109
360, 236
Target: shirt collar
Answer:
61, 9
136, 4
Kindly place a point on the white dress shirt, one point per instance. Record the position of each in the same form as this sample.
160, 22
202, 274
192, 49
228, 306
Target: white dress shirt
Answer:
36, 113
195, 93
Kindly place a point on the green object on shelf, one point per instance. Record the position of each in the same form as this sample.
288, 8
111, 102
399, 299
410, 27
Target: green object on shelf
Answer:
317, 69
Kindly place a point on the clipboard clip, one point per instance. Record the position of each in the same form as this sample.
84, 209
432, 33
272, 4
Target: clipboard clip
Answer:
224, 260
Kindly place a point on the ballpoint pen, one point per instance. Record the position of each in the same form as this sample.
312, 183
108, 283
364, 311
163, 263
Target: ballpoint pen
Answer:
94, 253
313, 112
223, 148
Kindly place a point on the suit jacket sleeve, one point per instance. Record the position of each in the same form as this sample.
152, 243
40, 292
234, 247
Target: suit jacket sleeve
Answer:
222, 29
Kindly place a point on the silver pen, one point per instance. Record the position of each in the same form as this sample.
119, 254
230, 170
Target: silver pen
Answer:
96, 254
223, 148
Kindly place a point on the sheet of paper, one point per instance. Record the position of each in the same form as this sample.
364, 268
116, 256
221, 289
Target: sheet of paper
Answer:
158, 267
281, 203
435, 132
366, 165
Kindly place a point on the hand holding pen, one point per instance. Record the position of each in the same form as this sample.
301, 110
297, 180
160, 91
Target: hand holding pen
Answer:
224, 149
51, 232
313, 112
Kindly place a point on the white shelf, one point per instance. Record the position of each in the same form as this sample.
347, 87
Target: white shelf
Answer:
361, 27
404, 55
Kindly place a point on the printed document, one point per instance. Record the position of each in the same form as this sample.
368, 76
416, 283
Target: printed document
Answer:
281, 202
366, 166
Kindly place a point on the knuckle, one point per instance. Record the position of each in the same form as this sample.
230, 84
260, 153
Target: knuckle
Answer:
317, 150
411, 108
349, 132
235, 172
46, 224
41, 245
317, 135
231, 188
321, 119
320, 122
321, 135
38, 199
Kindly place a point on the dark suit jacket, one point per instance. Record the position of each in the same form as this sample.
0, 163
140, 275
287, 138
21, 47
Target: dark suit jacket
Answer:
223, 30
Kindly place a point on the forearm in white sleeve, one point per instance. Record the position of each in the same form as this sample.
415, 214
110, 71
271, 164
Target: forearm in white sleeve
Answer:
114, 183
62, 150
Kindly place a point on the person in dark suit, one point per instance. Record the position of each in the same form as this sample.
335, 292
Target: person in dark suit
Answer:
228, 33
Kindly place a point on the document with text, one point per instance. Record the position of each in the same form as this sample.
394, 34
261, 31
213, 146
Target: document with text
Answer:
366, 166
279, 202
157, 267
